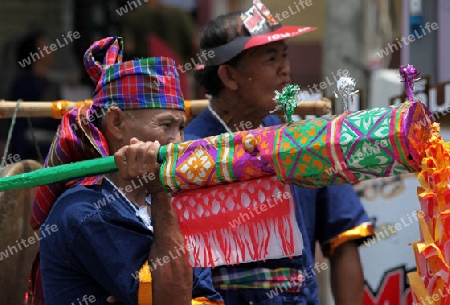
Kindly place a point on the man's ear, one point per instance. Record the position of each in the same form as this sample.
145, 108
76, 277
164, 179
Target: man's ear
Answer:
228, 76
115, 123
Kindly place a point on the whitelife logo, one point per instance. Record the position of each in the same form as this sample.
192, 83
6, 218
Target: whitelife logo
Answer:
407, 40
53, 47
47, 230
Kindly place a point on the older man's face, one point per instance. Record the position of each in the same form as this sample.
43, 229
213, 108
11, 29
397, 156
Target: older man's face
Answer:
264, 69
163, 125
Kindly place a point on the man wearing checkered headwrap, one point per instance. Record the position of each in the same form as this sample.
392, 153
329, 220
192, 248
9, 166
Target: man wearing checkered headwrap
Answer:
107, 241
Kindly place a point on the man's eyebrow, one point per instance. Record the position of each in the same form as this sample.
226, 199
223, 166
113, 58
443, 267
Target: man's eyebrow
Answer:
171, 117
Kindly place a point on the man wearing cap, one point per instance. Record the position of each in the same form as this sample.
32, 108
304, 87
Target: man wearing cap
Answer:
249, 65
117, 233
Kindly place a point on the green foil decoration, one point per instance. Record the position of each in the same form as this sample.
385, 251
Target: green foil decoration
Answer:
287, 100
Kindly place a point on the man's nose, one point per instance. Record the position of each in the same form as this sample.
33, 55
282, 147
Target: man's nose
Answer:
175, 136
178, 137
285, 67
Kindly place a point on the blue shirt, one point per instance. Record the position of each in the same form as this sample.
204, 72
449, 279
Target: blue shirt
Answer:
99, 247
322, 214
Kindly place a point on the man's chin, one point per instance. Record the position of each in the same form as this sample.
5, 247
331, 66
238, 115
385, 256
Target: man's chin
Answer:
269, 108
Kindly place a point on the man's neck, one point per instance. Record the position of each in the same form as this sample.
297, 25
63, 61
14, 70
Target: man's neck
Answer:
236, 115
134, 190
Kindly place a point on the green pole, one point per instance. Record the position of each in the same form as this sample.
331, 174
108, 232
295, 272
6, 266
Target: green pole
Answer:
59, 173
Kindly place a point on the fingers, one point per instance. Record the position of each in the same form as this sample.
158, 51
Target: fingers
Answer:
134, 141
137, 159
149, 156
120, 159
132, 161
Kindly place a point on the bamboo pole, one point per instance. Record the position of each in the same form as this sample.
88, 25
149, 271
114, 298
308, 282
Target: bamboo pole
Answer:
57, 109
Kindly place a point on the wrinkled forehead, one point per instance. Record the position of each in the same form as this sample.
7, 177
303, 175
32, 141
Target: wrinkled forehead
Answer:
159, 114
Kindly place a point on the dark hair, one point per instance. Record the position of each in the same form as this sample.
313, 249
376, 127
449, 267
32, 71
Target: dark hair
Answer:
99, 119
29, 44
217, 32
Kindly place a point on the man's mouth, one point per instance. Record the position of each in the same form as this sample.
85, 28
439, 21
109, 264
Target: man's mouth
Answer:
284, 84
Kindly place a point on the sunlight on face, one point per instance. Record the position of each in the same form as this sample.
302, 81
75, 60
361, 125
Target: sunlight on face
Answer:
163, 125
